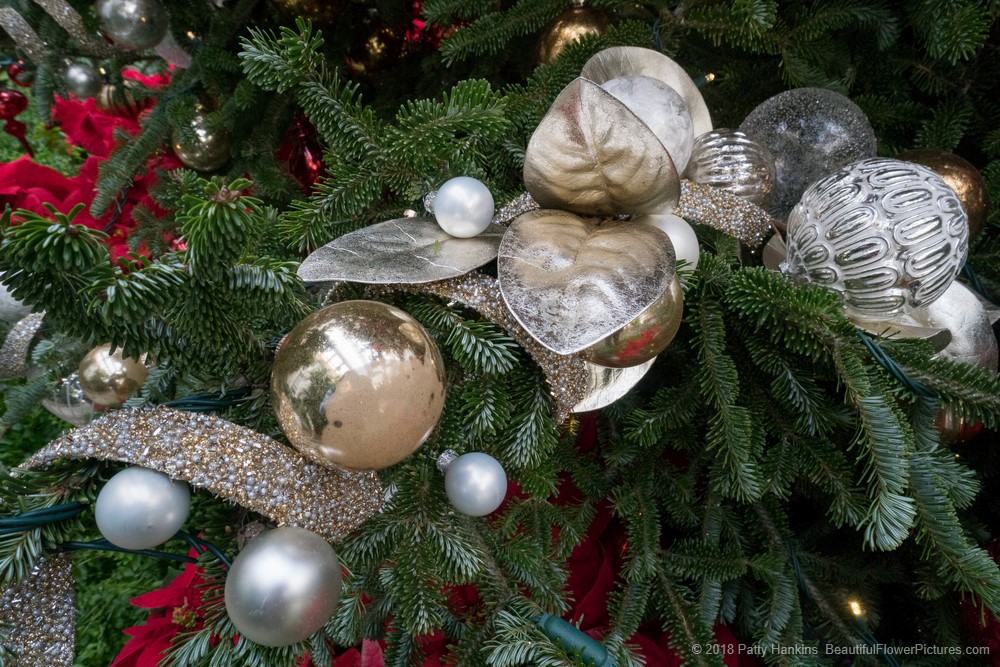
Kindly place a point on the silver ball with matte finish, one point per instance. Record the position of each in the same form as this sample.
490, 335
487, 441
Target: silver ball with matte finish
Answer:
476, 484
141, 508
136, 25
83, 80
463, 207
283, 586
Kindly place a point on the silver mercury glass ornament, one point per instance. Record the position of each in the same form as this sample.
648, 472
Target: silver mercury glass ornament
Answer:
283, 586
83, 80
136, 25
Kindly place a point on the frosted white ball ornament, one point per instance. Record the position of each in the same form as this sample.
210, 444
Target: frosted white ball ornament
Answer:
283, 586
681, 234
662, 109
141, 508
476, 483
889, 235
463, 207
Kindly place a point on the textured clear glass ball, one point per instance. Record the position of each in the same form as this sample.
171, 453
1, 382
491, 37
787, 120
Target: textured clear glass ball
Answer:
889, 235
732, 161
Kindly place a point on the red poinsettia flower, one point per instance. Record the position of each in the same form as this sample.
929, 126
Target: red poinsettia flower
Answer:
176, 608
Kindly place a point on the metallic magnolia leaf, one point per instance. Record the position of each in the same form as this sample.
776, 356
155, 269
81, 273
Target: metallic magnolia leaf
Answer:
606, 385
593, 156
571, 282
403, 251
620, 61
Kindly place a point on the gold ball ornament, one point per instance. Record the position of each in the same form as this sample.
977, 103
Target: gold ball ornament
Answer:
574, 23
321, 12
378, 51
645, 336
358, 385
953, 429
962, 177
118, 99
207, 150
107, 378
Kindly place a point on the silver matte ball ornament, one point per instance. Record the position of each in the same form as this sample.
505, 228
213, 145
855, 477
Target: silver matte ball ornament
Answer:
961, 312
463, 207
83, 80
732, 161
662, 109
283, 586
889, 235
136, 25
810, 132
141, 508
207, 150
476, 484
682, 235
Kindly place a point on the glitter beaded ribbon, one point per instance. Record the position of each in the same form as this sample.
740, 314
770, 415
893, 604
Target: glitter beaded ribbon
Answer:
23, 35
14, 353
233, 462
71, 21
729, 213
568, 376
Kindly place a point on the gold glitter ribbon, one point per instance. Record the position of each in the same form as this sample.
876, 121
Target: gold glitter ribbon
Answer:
41, 615
23, 35
233, 462
568, 376
729, 213
70, 21
14, 353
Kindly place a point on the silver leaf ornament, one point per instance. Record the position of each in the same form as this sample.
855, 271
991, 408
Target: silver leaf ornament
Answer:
404, 251
571, 282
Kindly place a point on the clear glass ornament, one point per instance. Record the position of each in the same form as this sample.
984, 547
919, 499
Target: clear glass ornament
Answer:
889, 235
730, 160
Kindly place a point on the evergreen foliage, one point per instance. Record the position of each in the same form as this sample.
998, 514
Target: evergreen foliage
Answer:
768, 468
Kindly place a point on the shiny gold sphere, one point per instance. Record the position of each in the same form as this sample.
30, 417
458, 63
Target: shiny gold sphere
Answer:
117, 99
962, 177
108, 378
377, 52
567, 28
644, 337
358, 385
208, 150
321, 12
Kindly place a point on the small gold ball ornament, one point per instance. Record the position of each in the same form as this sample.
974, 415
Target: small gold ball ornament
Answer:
377, 51
574, 23
321, 12
962, 177
644, 337
207, 150
107, 378
358, 385
118, 99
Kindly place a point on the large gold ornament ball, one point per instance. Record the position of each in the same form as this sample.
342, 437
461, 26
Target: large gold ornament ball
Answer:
962, 177
645, 336
108, 378
568, 27
358, 385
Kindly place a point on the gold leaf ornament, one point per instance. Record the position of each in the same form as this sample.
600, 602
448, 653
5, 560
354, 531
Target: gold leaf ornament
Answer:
593, 156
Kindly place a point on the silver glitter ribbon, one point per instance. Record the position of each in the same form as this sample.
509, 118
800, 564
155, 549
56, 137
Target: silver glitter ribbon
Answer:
14, 353
729, 213
71, 21
23, 35
233, 462
567, 375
